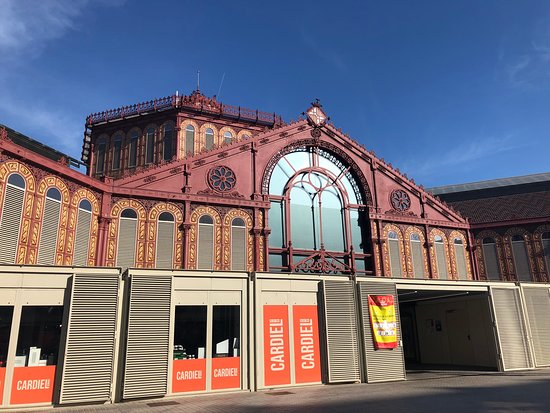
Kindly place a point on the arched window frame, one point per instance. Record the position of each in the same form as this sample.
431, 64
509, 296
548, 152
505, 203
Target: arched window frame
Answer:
541, 235
116, 151
453, 237
228, 239
190, 139
244, 134
113, 237
132, 147
394, 264
203, 137
47, 254
10, 220
100, 149
168, 141
77, 197
437, 273
153, 231
150, 137
192, 257
411, 264
520, 246
227, 135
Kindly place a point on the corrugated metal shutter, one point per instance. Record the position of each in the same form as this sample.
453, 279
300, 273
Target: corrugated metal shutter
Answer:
395, 258
91, 336
491, 262
238, 249
510, 328
461, 262
206, 247
126, 251
147, 348
418, 260
537, 302
11, 221
521, 260
165, 244
441, 261
384, 364
48, 234
342, 344
82, 237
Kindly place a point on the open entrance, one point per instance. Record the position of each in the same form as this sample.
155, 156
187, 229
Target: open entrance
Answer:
447, 330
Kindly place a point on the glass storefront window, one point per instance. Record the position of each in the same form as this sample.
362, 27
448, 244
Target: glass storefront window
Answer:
226, 331
190, 332
6, 314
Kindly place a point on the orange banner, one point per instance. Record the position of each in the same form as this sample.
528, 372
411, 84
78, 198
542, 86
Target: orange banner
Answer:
383, 321
226, 373
188, 375
32, 385
276, 348
307, 358
2, 378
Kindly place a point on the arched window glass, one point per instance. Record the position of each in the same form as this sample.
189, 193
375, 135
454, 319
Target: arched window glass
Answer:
165, 240
490, 257
227, 137
546, 249
168, 142
100, 157
10, 220
521, 260
395, 255
82, 234
417, 256
117, 150
189, 140
205, 251
127, 233
238, 245
150, 146
50, 227
245, 137
133, 149
460, 255
441, 257
209, 138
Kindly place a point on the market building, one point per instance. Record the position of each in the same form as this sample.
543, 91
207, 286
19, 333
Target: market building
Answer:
210, 247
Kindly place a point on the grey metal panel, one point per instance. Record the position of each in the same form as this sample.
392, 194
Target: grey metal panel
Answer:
537, 303
521, 260
441, 261
147, 347
165, 244
238, 249
48, 233
383, 364
10, 223
395, 258
511, 330
82, 237
126, 246
341, 331
91, 335
491, 261
206, 247
417, 259
460, 262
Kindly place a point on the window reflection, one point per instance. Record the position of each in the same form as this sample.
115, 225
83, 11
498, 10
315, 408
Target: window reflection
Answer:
226, 331
190, 332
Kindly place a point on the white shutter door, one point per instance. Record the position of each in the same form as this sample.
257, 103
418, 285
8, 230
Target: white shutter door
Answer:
147, 348
10, 223
206, 247
418, 261
126, 248
395, 258
165, 244
537, 302
82, 237
91, 334
510, 326
48, 234
383, 364
342, 346
238, 249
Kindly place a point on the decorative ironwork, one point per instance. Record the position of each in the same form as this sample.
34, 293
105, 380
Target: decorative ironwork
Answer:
322, 262
222, 179
400, 200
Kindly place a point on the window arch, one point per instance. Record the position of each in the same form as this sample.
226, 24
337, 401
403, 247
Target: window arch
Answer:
441, 255
205, 253
165, 240
10, 220
238, 245
168, 142
521, 259
490, 258
150, 145
133, 148
82, 233
394, 251
190, 140
126, 244
50, 227
417, 255
117, 152
227, 137
209, 138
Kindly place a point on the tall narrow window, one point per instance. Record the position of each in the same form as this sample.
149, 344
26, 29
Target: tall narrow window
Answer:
460, 256
417, 256
227, 137
395, 255
209, 139
132, 149
117, 146
238, 245
546, 250
521, 259
10, 220
127, 229
165, 240
440, 257
205, 252
50, 227
82, 234
100, 158
189, 140
150, 146
490, 258
168, 142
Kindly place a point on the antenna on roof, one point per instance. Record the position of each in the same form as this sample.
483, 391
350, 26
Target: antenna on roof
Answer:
220, 89
198, 80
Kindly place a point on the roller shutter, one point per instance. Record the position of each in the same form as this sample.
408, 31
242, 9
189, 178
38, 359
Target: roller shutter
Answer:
342, 346
491, 261
238, 249
417, 259
511, 332
147, 348
10, 223
537, 303
383, 364
48, 234
126, 252
206, 247
395, 258
460, 262
165, 244
91, 336
82, 237
441, 260
521, 260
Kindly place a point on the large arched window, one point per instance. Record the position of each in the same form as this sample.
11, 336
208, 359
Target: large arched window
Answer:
395, 255
150, 145
10, 220
521, 260
168, 142
460, 256
417, 256
50, 227
440, 257
82, 235
133, 149
316, 212
546, 250
165, 240
189, 140
490, 257
205, 243
209, 138
127, 230
238, 245
227, 137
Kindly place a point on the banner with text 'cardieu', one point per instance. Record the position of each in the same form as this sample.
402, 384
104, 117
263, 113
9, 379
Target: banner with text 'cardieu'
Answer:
276, 347
307, 360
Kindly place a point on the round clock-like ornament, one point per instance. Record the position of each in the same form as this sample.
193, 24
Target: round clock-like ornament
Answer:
221, 178
400, 200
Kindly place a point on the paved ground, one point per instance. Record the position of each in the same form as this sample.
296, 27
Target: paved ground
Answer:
431, 392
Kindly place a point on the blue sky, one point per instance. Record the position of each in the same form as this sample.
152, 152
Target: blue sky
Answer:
447, 91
